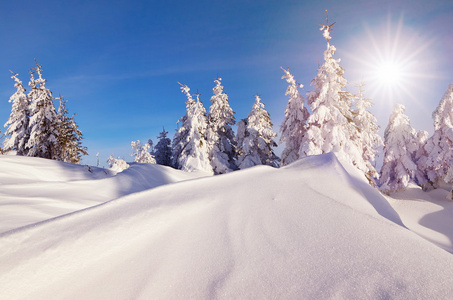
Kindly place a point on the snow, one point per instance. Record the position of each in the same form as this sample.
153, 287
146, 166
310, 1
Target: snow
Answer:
313, 229
34, 189
428, 214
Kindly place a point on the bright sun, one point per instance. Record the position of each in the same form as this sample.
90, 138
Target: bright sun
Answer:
389, 74
392, 60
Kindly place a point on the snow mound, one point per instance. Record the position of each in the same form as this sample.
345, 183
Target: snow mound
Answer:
348, 185
36, 189
429, 214
23, 169
309, 230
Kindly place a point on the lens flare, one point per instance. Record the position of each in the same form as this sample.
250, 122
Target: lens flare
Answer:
392, 59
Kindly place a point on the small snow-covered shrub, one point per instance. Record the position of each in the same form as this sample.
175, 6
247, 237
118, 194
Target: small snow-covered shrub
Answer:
117, 164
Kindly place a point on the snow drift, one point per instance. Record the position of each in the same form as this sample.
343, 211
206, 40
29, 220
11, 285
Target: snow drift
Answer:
313, 229
34, 189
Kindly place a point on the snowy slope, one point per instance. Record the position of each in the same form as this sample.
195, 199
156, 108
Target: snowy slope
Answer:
310, 230
429, 214
34, 189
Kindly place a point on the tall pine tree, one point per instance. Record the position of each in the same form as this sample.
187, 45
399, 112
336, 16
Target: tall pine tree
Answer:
369, 139
330, 127
439, 148
162, 151
400, 144
64, 130
293, 125
257, 144
69, 136
76, 150
17, 133
241, 134
220, 135
190, 151
420, 158
43, 141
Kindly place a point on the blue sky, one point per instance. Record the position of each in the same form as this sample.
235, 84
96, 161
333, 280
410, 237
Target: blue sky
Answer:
118, 62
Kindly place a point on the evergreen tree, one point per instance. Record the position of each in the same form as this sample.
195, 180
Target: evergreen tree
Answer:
43, 141
69, 136
293, 125
241, 134
162, 151
190, 151
369, 138
141, 153
420, 157
76, 150
64, 130
257, 144
220, 135
400, 145
439, 148
330, 127
17, 134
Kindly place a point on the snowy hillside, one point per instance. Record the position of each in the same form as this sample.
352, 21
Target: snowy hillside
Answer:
313, 229
34, 189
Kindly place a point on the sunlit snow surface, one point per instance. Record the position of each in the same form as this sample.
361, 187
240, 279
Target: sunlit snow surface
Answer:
33, 189
313, 229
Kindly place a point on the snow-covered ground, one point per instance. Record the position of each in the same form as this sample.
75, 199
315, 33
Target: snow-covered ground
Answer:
429, 214
33, 189
314, 229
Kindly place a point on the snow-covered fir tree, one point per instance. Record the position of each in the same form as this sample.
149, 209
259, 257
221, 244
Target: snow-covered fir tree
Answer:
75, 149
241, 134
17, 133
141, 152
64, 129
162, 151
43, 141
369, 139
190, 150
400, 144
293, 125
439, 147
420, 157
69, 136
220, 135
330, 127
257, 143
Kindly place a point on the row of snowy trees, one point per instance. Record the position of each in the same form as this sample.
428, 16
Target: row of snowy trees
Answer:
206, 141
35, 128
411, 156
